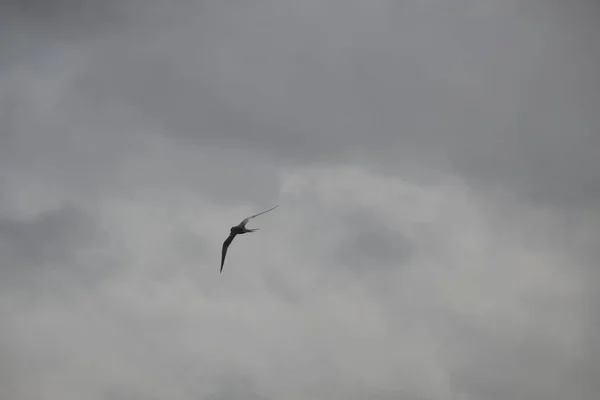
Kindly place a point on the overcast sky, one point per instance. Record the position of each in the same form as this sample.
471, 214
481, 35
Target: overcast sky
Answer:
437, 166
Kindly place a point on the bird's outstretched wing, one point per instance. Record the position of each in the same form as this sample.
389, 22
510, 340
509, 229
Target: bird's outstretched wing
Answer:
244, 222
226, 244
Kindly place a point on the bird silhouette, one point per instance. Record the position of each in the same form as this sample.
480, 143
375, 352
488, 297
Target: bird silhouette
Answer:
239, 229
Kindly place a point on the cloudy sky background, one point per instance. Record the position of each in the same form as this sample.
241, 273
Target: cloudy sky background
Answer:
436, 164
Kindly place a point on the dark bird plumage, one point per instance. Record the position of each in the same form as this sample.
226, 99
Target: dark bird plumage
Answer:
238, 230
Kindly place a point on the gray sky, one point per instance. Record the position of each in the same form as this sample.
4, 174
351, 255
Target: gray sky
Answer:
438, 174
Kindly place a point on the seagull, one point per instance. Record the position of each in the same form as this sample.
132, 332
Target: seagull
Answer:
239, 230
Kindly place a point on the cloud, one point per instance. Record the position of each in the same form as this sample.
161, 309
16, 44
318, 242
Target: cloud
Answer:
495, 109
435, 166
53, 251
60, 16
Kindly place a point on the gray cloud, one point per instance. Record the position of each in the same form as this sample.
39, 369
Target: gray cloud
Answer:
498, 102
436, 169
52, 251
372, 243
60, 16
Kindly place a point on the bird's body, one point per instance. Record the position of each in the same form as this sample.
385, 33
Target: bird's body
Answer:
239, 229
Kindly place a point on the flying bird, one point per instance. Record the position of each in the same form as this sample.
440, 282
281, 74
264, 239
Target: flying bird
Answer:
239, 230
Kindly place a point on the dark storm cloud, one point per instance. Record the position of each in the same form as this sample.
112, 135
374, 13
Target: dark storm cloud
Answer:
501, 104
488, 91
